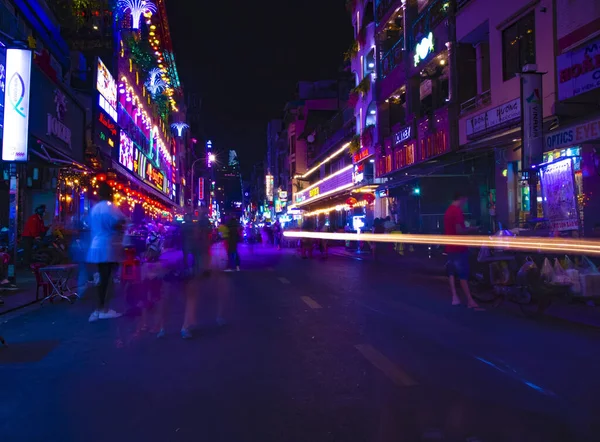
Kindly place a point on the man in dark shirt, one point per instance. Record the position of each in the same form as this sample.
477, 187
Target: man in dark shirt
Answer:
458, 256
34, 228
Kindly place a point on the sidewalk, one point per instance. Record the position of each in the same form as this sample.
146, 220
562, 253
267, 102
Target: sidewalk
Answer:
24, 296
586, 314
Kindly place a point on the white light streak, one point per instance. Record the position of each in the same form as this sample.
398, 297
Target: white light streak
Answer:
555, 245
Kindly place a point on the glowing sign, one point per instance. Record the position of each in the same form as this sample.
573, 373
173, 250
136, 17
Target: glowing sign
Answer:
155, 177
269, 183
200, 189
424, 48
126, 151
179, 127
16, 102
107, 86
313, 192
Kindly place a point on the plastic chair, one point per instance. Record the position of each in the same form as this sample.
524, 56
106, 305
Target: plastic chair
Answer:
130, 269
40, 281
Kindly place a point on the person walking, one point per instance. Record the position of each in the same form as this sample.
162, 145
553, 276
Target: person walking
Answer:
458, 256
34, 229
107, 224
233, 239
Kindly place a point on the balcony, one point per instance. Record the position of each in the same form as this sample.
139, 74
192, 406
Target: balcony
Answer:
476, 102
383, 9
392, 58
429, 19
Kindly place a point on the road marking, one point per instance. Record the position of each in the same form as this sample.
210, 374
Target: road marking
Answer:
310, 302
283, 280
513, 374
391, 370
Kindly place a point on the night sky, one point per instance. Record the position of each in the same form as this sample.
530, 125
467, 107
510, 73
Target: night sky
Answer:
244, 59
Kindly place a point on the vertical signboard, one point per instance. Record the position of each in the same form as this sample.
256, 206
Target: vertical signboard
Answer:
200, 189
16, 104
533, 117
2, 88
269, 182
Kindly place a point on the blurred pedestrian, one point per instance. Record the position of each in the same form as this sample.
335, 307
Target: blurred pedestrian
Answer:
458, 256
187, 239
107, 223
232, 242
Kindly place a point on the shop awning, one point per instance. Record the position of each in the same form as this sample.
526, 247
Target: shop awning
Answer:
159, 196
54, 156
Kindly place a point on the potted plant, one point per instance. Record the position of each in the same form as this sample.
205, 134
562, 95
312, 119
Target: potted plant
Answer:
354, 145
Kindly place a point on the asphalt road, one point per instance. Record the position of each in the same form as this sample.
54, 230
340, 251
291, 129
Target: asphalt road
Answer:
313, 350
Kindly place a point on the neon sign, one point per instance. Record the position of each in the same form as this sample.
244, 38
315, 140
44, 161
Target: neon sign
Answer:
155, 177
424, 48
107, 86
364, 153
313, 192
126, 151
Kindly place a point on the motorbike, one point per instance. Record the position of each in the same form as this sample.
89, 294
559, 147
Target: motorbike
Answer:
154, 246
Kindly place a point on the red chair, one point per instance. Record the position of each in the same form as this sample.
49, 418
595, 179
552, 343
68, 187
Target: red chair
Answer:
40, 281
130, 269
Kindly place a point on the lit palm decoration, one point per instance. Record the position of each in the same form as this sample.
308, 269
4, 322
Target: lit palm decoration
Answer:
136, 8
179, 127
155, 84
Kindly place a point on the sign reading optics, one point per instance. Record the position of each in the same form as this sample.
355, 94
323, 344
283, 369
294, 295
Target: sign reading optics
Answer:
16, 104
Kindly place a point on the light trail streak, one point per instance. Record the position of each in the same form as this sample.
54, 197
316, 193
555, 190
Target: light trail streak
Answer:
555, 245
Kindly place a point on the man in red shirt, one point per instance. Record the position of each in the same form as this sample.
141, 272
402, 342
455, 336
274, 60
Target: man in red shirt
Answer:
34, 228
458, 256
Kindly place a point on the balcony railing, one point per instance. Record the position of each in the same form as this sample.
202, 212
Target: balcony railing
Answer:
476, 102
428, 20
382, 8
392, 58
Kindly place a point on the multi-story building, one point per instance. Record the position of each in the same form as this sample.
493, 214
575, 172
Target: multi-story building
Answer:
415, 102
577, 134
496, 44
362, 56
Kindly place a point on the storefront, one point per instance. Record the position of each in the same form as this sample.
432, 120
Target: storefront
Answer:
56, 153
578, 178
341, 200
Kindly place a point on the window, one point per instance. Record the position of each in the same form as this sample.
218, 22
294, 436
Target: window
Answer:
518, 46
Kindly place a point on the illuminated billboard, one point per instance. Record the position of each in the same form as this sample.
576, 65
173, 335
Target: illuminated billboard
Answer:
16, 104
107, 86
127, 151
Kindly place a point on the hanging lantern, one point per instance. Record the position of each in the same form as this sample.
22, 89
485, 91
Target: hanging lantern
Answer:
369, 198
351, 201
101, 177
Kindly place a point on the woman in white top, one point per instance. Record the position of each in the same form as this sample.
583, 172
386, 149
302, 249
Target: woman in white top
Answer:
107, 223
